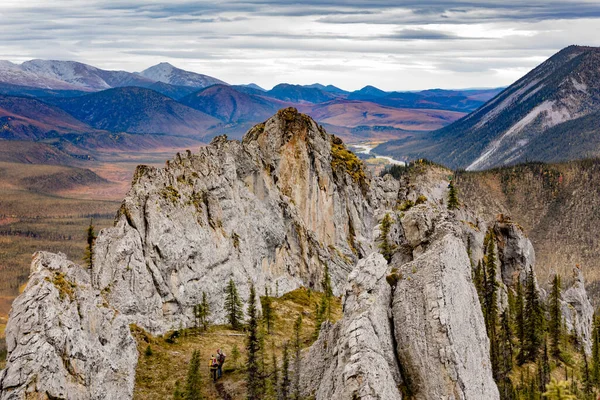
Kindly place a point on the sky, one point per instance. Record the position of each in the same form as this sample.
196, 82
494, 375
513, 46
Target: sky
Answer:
394, 45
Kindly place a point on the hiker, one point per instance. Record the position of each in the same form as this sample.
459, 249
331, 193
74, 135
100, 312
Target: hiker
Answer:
220, 360
213, 364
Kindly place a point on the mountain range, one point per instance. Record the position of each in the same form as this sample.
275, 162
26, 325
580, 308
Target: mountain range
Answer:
551, 114
43, 98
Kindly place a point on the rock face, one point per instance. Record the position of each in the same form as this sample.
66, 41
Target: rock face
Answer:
273, 210
438, 325
63, 339
578, 310
356, 358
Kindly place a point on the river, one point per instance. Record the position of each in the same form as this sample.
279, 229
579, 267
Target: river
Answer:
366, 149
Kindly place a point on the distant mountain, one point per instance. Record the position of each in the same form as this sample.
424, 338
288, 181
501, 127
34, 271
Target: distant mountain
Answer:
83, 76
231, 106
327, 88
299, 94
24, 118
367, 93
548, 115
137, 110
166, 73
254, 86
249, 90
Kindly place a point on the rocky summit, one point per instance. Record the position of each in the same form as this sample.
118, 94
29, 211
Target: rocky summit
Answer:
274, 210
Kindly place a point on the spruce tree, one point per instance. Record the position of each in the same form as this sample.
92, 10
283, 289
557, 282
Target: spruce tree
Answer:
452, 196
252, 349
491, 303
534, 320
595, 378
297, 348
505, 354
586, 377
385, 247
555, 320
88, 255
274, 384
320, 312
267, 311
193, 383
284, 387
178, 394
520, 321
204, 312
544, 366
327, 291
233, 306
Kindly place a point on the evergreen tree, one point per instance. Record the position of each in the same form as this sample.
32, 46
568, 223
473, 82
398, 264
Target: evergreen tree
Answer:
88, 255
274, 384
193, 383
267, 311
327, 290
297, 348
558, 391
204, 311
595, 378
555, 322
586, 378
233, 305
491, 303
201, 313
177, 392
544, 367
534, 320
320, 312
520, 321
252, 348
505, 354
452, 196
385, 247
284, 387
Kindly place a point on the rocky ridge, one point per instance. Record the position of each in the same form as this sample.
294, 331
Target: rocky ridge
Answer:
273, 210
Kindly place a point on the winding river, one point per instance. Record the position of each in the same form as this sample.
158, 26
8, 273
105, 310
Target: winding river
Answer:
366, 149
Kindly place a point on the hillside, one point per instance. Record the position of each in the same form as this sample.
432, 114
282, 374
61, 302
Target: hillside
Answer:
230, 105
299, 94
557, 205
24, 118
540, 117
137, 110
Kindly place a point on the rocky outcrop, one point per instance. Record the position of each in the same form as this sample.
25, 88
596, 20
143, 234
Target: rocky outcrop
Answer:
578, 311
355, 358
64, 341
441, 340
272, 210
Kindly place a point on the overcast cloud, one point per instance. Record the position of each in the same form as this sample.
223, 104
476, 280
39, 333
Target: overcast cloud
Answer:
395, 45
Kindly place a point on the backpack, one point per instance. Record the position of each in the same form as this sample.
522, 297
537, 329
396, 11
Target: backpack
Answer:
221, 358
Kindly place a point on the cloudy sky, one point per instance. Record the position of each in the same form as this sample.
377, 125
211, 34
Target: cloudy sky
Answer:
395, 45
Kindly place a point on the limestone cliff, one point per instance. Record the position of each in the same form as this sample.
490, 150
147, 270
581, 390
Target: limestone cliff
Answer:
274, 210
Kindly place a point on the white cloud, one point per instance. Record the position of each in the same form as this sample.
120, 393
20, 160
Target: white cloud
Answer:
393, 45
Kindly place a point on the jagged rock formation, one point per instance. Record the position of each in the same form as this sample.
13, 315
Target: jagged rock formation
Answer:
64, 340
440, 332
273, 210
577, 310
355, 358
